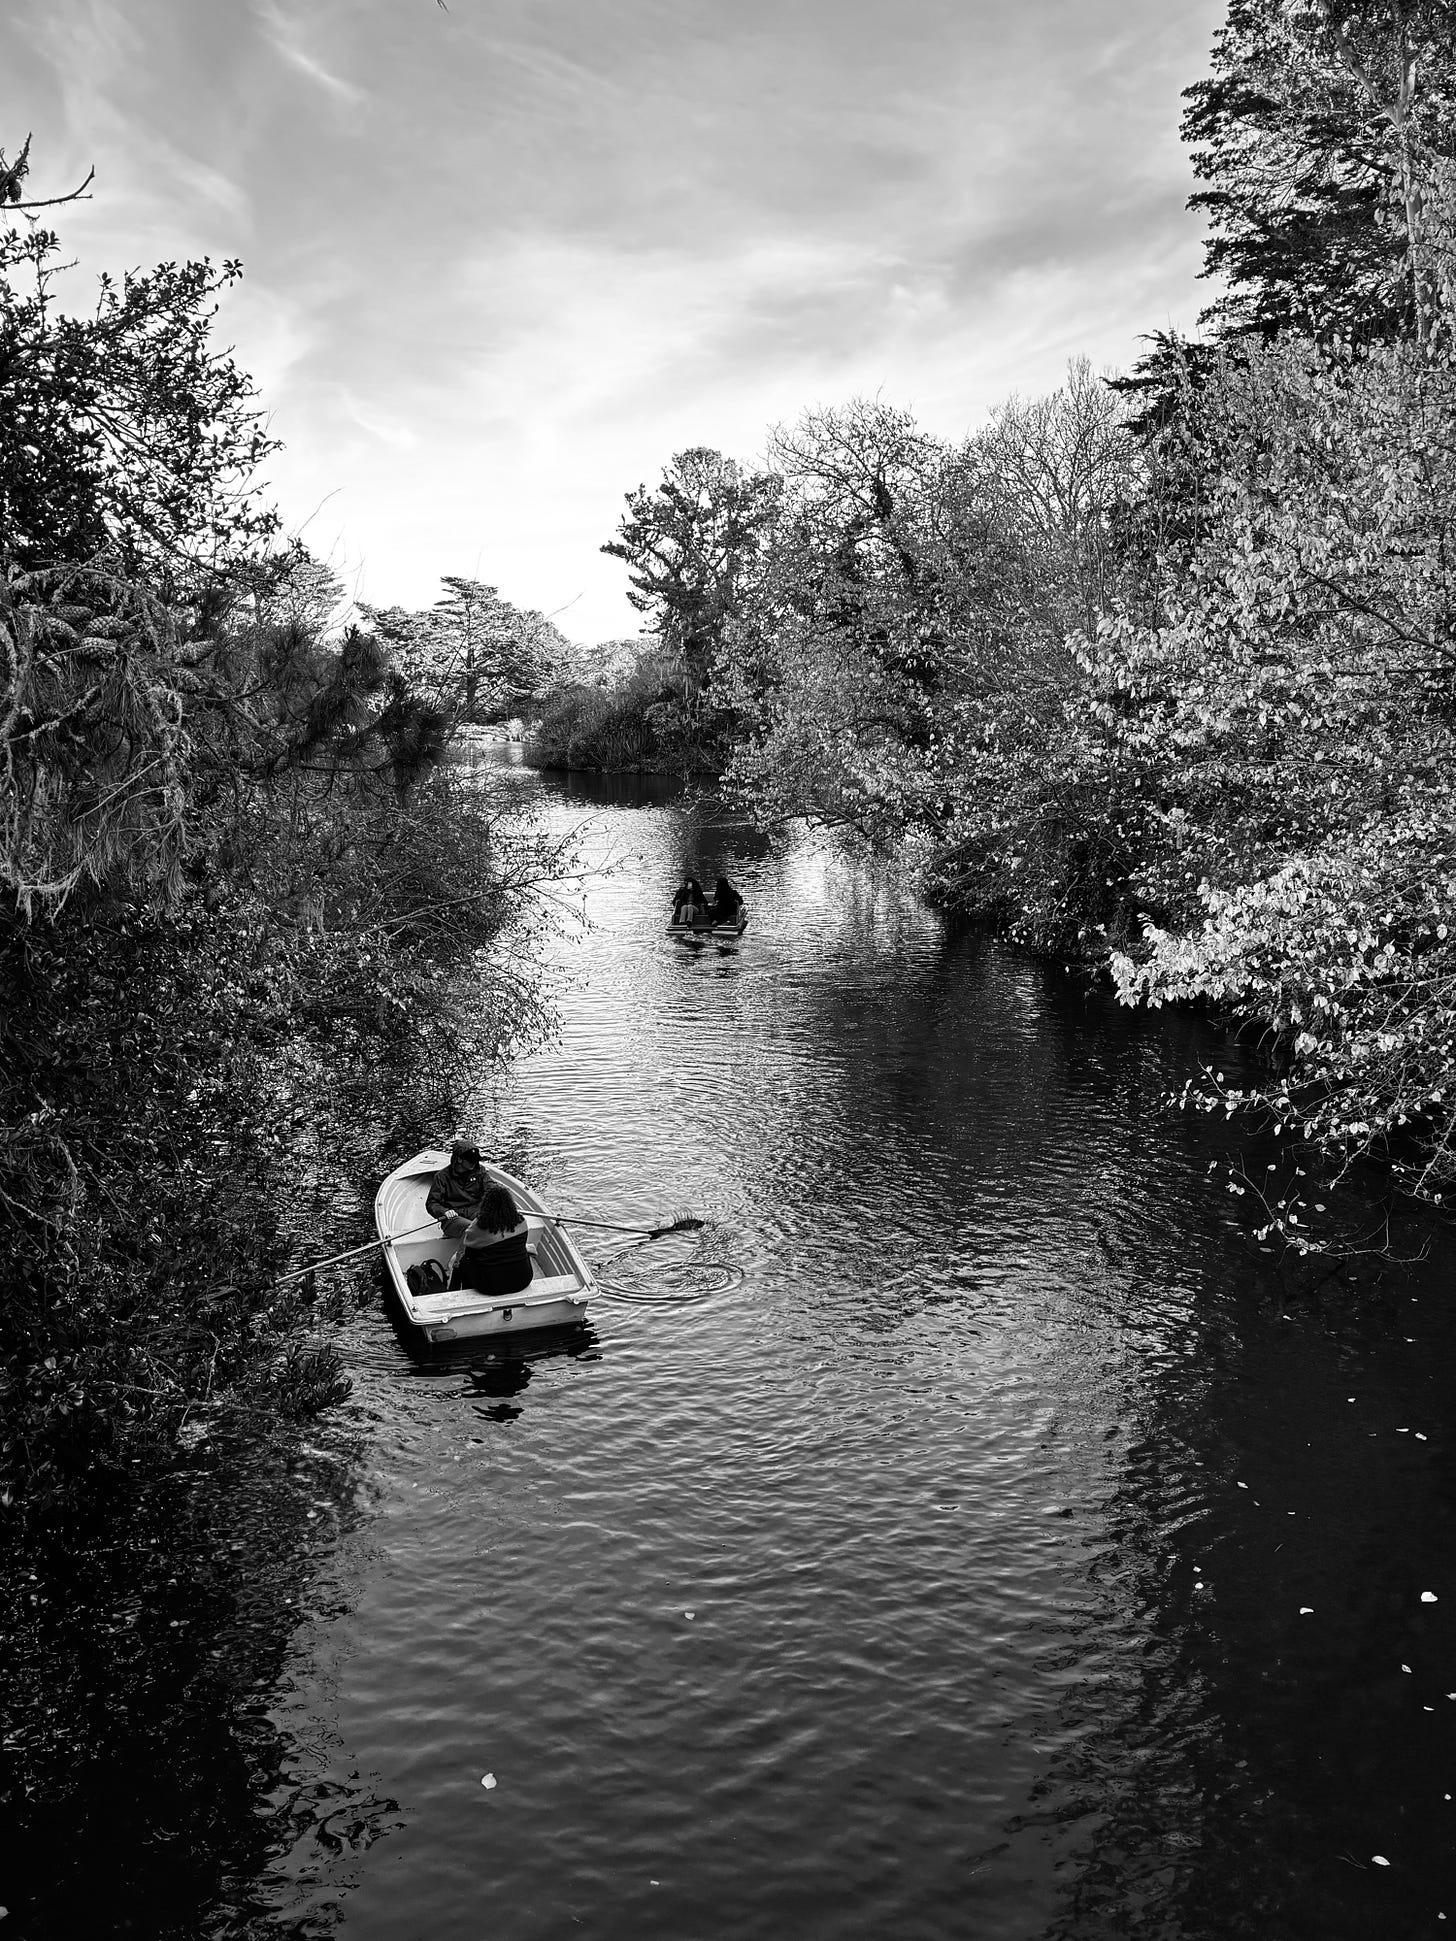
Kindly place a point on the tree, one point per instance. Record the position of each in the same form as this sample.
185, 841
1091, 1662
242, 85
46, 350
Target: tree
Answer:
1291, 730
1064, 475
125, 431
1325, 134
891, 613
692, 545
294, 588
473, 652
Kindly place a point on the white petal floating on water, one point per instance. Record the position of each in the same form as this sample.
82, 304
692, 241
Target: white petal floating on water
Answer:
1428, 1597
488, 1781
1379, 1860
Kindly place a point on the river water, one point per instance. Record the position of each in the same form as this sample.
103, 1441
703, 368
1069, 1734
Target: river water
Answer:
969, 1532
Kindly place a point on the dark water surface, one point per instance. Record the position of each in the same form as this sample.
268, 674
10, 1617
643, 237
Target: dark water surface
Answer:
925, 1557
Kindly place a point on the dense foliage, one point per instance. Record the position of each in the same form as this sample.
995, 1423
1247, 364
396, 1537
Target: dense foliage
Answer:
1291, 730
1324, 133
123, 431
1160, 673
639, 713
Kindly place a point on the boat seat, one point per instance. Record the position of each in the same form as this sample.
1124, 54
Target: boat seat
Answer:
447, 1300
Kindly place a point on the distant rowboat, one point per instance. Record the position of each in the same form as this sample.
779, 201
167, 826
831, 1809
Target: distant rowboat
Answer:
561, 1281
734, 929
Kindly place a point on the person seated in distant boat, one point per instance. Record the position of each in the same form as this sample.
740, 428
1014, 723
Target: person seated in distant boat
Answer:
690, 905
726, 902
494, 1259
456, 1189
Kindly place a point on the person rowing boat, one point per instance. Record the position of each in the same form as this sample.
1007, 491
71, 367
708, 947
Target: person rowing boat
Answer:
455, 1191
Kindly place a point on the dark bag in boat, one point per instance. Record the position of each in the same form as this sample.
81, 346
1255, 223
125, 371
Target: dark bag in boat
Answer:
426, 1277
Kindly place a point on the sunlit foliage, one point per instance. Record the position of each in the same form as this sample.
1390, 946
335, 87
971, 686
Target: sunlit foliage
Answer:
473, 654
1292, 731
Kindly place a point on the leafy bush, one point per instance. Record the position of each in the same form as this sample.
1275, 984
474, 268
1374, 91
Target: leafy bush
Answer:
644, 719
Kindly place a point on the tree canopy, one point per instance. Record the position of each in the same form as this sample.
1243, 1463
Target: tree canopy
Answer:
123, 430
1324, 134
691, 545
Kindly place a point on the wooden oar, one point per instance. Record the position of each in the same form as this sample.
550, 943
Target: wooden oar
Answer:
351, 1253
688, 1224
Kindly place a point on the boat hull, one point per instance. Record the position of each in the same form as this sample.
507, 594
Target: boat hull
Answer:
561, 1285
734, 929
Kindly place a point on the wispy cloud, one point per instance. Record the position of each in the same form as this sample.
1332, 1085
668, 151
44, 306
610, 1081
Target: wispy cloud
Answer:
284, 35
503, 262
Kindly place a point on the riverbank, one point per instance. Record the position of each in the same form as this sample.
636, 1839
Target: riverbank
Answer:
201, 1099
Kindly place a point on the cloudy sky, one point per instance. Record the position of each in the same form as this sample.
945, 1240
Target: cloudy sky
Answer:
503, 261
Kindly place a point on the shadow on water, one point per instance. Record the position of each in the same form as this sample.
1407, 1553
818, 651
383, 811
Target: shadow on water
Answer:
1283, 1760
153, 1767
499, 1367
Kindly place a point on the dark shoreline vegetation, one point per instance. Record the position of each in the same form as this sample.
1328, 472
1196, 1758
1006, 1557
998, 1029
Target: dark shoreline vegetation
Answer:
256, 933
1156, 676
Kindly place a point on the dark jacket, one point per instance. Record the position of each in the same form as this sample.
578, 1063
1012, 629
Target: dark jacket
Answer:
450, 1194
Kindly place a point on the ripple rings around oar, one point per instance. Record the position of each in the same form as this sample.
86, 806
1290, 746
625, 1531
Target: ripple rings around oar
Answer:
674, 1283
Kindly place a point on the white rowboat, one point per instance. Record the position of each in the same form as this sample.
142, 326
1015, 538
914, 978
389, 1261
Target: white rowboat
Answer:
561, 1282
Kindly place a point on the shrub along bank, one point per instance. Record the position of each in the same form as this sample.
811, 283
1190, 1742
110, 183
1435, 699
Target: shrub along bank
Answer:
642, 719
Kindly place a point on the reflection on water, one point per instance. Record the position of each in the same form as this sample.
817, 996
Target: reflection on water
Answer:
967, 1531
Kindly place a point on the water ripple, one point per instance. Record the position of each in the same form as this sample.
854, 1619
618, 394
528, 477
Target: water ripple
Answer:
877, 1563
